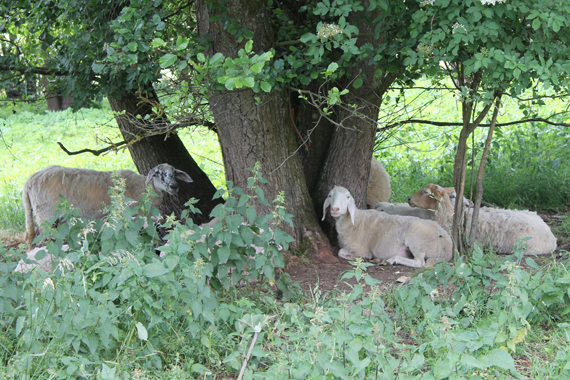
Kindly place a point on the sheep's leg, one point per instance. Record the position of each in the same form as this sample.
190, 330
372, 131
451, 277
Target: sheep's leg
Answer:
402, 258
345, 254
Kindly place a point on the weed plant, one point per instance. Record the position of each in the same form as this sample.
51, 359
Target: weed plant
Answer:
112, 306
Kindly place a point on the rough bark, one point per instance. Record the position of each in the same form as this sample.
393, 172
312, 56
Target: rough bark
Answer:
252, 132
154, 150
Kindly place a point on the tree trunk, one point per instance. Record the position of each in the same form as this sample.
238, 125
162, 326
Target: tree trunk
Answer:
263, 132
472, 229
460, 166
154, 150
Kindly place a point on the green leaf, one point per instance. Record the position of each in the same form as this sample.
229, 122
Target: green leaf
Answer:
500, 358
265, 86
181, 43
248, 82
223, 254
257, 67
20, 324
154, 269
248, 46
141, 331
332, 67
536, 23
132, 46
157, 42
167, 60
358, 83
97, 67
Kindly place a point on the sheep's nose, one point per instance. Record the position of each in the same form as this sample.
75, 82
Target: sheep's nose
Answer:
409, 199
335, 209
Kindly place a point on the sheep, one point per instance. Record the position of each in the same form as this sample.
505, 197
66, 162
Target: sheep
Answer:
87, 190
44, 264
403, 209
497, 228
406, 210
373, 234
379, 187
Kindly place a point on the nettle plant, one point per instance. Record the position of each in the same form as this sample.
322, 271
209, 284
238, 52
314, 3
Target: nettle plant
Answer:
485, 311
111, 297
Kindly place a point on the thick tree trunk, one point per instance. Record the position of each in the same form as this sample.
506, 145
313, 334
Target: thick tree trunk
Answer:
263, 132
154, 150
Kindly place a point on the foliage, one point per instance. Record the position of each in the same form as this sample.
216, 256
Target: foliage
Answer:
124, 302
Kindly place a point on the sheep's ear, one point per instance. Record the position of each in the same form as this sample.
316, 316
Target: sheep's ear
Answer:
151, 174
351, 208
325, 205
182, 176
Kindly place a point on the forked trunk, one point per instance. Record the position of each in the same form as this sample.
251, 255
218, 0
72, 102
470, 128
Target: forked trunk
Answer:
252, 131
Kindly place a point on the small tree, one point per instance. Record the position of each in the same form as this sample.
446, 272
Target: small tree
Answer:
490, 49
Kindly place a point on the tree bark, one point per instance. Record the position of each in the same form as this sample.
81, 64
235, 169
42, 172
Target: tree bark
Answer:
263, 132
158, 149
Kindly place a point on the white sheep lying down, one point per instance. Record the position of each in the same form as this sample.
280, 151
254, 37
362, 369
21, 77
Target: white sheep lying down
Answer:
379, 187
372, 234
87, 190
498, 228
406, 210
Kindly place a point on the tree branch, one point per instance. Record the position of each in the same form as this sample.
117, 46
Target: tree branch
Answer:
459, 124
94, 152
33, 70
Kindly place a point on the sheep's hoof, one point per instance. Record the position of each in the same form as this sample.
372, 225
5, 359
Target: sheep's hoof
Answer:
379, 261
391, 261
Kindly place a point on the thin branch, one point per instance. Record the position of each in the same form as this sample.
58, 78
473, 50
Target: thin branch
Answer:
94, 152
459, 124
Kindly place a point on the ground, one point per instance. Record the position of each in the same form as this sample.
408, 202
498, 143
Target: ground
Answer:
328, 276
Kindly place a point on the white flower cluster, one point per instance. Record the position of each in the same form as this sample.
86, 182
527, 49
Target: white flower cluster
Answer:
427, 2
493, 2
328, 30
456, 26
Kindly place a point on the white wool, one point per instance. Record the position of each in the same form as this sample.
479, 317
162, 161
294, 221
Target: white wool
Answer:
372, 234
498, 228
379, 187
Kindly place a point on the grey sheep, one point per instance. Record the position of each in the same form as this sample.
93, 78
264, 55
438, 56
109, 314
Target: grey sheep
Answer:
87, 190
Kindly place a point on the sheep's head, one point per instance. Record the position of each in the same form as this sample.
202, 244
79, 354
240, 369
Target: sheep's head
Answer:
453, 196
340, 202
428, 197
165, 178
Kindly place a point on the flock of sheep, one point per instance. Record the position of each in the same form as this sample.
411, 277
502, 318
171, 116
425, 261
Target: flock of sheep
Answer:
413, 234
418, 233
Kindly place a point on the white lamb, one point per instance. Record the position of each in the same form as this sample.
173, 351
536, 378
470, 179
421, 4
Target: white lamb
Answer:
372, 234
379, 187
498, 228
87, 190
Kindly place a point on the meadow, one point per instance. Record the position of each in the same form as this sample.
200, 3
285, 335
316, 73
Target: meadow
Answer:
125, 314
